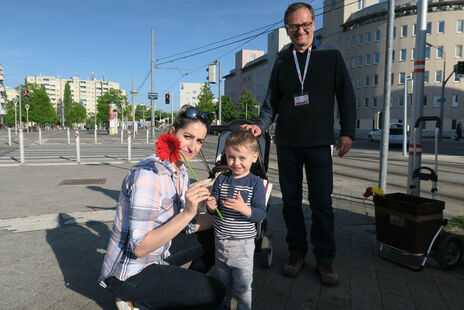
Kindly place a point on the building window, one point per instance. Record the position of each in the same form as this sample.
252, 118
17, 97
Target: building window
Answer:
455, 102
366, 103
376, 80
376, 58
460, 26
400, 101
458, 51
427, 53
436, 101
402, 77
361, 39
360, 61
366, 84
394, 32
368, 38
353, 41
353, 63
438, 76
368, 59
358, 83
403, 54
410, 100
426, 77
441, 27
377, 35
360, 4
374, 102
347, 43
348, 63
425, 100
456, 78
414, 30
413, 53
358, 104
340, 36
392, 77
404, 31
393, 56
439, 54
429, 28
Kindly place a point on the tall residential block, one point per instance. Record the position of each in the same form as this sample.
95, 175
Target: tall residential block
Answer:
189, 93
86, 92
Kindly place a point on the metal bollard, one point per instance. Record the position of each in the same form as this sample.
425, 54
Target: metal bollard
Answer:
122, 136
69, 139
147, 136
129, 150
78, 149
9, 136
95, 135
21, 146
40, 136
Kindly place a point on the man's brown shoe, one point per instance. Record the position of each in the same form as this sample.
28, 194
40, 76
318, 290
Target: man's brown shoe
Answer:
327, 274
293, 266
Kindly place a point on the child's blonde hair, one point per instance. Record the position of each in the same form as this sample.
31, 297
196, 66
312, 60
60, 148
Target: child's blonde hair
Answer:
242, 138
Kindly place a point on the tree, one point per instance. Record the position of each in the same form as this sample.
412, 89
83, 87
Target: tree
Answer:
205, 100
68, 104
228, 110
247, 105
102, 105
41, 110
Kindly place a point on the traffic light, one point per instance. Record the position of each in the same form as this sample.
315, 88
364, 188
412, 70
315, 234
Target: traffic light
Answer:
167, 98
211, 74
460, 68
26, 94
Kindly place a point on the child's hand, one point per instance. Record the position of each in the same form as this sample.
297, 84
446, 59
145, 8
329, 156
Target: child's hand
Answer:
238, 205
211, 203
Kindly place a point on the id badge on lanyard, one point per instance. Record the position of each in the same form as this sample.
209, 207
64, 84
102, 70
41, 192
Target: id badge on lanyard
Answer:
301, 98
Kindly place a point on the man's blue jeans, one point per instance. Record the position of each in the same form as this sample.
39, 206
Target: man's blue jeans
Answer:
317, 162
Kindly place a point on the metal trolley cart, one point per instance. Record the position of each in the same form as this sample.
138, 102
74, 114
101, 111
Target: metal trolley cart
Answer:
410, 228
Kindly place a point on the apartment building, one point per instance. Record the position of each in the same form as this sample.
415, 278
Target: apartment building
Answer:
189, 93
253, 68
86, 92
3, 95
358, 30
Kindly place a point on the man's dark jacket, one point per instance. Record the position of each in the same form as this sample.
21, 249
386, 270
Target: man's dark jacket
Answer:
311, 124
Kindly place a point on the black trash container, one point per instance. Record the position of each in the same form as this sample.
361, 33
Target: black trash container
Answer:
407, 222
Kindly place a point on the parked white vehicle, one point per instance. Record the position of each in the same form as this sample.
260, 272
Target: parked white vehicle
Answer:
395, 137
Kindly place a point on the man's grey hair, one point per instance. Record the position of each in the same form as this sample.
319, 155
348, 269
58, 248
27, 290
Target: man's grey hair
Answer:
295, 6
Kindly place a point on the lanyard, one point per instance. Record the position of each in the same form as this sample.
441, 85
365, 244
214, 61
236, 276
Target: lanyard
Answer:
302, 78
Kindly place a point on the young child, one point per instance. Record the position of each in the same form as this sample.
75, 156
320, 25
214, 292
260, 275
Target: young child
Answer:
240, 196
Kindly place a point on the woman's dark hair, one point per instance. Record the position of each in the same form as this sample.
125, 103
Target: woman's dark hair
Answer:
295, 6
183, 118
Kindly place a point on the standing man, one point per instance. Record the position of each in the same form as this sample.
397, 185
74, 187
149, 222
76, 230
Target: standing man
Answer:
304, 82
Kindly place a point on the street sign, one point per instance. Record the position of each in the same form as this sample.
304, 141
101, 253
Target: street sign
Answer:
152, 96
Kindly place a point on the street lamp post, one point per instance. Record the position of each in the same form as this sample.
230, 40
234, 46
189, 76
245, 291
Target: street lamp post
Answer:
443, 82
15, 102
27, 106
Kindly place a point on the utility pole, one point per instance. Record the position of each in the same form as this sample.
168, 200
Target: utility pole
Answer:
220, 99
418, 107
386, 98
152, 101
20, 116
172, 103
405, 114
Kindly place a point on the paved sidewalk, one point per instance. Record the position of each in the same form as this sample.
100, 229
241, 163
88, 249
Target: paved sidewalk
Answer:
54, 238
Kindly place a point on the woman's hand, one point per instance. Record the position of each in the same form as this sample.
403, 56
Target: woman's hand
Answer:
196, 193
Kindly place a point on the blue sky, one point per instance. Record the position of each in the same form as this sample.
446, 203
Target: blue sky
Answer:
113, 37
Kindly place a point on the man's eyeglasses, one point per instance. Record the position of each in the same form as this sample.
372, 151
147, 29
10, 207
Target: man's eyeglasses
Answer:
295, 27
194, 113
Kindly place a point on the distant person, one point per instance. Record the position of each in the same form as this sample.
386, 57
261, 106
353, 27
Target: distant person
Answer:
241, 199
304, 82
155, 206
459, 131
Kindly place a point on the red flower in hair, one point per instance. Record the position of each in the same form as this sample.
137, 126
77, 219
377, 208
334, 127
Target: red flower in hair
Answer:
168, 147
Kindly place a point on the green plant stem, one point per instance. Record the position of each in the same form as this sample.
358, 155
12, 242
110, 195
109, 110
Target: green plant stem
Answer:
196, 178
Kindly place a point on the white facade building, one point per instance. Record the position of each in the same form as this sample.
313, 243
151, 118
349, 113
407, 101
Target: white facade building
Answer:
189, 93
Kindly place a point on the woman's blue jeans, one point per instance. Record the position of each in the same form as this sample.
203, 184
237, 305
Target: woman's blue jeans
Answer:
317, 162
